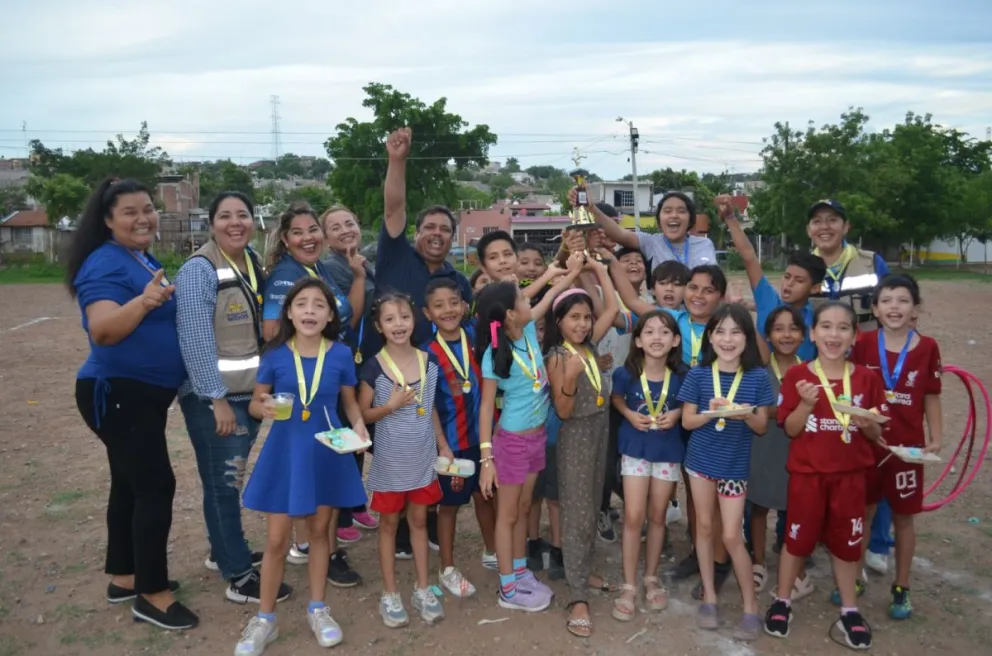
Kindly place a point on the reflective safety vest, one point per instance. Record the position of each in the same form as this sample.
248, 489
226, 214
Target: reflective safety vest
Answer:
237, 320
856, 287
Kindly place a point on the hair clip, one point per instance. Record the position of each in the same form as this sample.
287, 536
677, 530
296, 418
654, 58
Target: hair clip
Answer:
493, 331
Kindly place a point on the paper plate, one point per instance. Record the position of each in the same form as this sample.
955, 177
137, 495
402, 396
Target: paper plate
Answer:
457, 467
914, 455
735, 412
342, 440
859, 412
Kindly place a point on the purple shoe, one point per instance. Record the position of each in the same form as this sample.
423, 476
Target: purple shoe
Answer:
530, 582
524, 599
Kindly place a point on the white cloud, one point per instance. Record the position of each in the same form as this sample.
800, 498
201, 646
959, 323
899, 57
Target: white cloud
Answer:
544, 76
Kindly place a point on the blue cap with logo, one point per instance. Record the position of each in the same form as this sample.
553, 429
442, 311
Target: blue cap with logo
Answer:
828, 203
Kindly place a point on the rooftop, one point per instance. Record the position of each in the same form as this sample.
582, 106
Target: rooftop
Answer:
26, 219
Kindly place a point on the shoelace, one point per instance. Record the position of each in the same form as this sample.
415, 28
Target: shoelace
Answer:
256, 629
322, 618
392, 602
426, 597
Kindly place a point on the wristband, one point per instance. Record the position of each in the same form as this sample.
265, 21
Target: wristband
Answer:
486, 445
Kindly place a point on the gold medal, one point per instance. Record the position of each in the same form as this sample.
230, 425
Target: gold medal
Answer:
654, 424
466, 387
259, 298
358, 357
301, 380
655, 409
592, 372
421, 410
537, 386
721, 423
695, 344
462, 369
600, 401
890, 396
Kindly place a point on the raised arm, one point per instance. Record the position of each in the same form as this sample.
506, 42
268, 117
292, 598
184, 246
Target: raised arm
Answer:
574, 264
610, 306
628, 294
398, 148
743, 245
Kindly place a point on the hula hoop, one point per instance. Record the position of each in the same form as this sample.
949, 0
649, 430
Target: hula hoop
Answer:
965, 476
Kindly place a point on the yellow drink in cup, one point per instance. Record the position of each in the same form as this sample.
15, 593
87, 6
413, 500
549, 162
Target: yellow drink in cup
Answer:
283, 404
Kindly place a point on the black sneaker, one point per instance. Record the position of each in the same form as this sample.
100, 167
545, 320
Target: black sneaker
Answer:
778, 618
721, 571
249, 589
556, 564
176, 618
605, 527
118, 595
857, 633
339, 572
211, 564
535, 554
432, 531
688, 566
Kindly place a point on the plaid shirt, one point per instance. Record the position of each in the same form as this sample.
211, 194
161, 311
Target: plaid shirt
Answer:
196, 294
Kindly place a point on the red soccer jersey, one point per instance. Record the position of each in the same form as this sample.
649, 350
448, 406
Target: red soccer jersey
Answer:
819, 449
920, 376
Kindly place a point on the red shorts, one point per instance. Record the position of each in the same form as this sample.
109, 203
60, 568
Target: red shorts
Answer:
387, 503
901, 483
827, 508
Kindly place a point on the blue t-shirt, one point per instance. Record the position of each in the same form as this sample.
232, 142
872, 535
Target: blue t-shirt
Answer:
687, 328
523, 408
458, 411
650, 445
278, 369
281, 279
723, 454
150, 353
399, 267
766, 300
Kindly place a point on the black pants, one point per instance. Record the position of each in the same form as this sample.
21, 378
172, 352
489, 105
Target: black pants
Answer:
614, 483
129, 417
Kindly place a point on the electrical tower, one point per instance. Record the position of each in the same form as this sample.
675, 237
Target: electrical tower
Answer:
276, 145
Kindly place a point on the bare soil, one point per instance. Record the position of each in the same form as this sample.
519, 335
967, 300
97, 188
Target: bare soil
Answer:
53, 492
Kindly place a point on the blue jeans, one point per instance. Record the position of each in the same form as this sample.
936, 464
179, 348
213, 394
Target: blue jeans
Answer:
881, 534
221, 463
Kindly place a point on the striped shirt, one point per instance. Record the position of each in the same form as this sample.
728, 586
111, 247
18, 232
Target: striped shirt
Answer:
459, 412
723, 454
405, 444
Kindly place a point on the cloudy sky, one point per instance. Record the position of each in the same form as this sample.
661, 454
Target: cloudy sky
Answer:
703, 81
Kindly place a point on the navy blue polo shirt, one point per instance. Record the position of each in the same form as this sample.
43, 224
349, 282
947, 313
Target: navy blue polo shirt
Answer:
399, 267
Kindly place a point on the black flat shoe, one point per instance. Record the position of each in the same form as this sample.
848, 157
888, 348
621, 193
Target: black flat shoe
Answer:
176, 618
118, 595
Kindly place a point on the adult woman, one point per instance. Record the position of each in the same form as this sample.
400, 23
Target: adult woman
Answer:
125, 388
219, 320
296, 247
343, 237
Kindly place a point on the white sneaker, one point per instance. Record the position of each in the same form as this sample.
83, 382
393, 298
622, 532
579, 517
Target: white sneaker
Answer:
325, 629
256, 637
427, 605
673, 513
456, 584
877, 562
297, 556
392, 611
489, 561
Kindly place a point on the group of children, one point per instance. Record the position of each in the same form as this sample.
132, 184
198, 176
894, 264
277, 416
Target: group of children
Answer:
512, 382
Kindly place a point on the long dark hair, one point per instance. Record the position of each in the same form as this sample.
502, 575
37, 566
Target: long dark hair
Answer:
286, 328
276, 248
224, 195
557, 312
797, 319
494, 301
91, 230
635, 357
751, 357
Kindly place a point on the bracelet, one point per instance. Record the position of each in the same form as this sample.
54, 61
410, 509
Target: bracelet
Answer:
569, 395
487, 459
486, 445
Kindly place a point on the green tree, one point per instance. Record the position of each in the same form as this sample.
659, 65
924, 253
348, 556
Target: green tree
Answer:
223, 175
62, 195
500, 183
439, 136
475, 197
320, 198
512, 165
123, 158
544, 172
12, 198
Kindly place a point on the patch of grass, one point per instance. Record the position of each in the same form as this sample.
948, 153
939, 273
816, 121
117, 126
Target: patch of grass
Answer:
92, 640
31, 273
946, 273
67, 497
76, 568
11, 646
69, 612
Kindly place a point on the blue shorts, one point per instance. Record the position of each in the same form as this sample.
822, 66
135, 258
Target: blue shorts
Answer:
457, 491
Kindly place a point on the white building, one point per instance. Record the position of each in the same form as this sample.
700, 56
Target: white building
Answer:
620, 195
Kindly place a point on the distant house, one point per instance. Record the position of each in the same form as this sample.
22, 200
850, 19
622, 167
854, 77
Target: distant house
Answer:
620, 194
26, 231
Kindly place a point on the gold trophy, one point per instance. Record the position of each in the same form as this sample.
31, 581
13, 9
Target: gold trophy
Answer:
581, 218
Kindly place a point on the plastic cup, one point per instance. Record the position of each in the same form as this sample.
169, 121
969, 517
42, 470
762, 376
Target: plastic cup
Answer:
283, 404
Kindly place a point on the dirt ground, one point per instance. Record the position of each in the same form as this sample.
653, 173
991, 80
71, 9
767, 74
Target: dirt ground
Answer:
53, 491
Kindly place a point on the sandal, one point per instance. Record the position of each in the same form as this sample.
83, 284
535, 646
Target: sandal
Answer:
580, 627
802, 588
624, 606
760, 577
655, 594
604, 585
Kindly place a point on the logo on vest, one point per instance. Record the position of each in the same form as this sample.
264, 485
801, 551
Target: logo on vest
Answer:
237, 312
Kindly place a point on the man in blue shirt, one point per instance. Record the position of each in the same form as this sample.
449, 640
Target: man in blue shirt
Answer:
405, 267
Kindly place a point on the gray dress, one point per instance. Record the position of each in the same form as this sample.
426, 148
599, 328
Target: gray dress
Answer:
768, 485
582, 444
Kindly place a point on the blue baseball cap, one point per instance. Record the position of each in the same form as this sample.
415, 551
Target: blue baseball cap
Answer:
828, 203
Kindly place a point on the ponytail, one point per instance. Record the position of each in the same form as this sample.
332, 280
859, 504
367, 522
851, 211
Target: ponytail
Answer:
494, 301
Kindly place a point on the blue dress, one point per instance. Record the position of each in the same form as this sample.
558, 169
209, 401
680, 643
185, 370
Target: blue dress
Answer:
294, 473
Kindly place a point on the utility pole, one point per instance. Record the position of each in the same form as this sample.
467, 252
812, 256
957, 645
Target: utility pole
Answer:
274, 101
634, 137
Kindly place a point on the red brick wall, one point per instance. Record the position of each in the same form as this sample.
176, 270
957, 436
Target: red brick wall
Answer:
471, 224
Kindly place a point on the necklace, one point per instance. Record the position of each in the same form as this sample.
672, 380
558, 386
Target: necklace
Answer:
778, 372
463, 369
655, 410
718, 392
301, 380
398, 376
592, 372
252, 280
842, 417
534, 373
892, 378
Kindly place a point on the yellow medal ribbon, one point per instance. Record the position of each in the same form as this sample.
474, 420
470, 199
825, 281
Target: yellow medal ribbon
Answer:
842, 417
252, 280
398, 375
696, 344
655, 410
778, 372
718, 392
836, 271
534, 373
312, 271
592, 372
301, 380
464, 369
